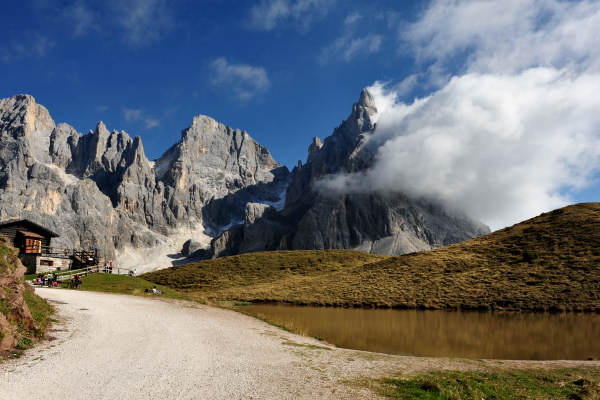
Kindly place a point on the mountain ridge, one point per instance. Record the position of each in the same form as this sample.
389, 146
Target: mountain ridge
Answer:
100, 190
215, 186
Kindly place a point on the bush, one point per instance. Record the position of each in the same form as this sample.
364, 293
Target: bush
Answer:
530, 255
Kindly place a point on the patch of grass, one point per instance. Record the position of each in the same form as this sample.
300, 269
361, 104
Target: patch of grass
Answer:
125, 284
548, 263
4, 309
41, 311
258, 317
24, 343
308, 346
580, 383
8, 257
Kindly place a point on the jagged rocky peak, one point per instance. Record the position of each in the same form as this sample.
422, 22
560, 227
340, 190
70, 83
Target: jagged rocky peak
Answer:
213, 154
317, 218
22, 117
314, 147
341, 151
22, 111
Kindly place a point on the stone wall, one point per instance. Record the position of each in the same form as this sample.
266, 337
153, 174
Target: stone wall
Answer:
43, 264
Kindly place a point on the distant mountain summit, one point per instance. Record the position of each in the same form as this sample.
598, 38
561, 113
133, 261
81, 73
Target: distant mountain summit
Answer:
216, 186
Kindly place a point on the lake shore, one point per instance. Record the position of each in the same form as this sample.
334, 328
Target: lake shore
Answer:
109, 345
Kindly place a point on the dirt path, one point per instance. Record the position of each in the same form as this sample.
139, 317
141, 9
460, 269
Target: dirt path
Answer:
124, 347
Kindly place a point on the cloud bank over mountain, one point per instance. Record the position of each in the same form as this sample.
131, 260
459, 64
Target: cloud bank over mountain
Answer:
511, 127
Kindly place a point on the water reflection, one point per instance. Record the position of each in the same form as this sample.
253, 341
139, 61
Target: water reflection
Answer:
445, 333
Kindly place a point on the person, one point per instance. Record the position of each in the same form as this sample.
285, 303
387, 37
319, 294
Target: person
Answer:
156, 291
110, 268
49, 279
77, 281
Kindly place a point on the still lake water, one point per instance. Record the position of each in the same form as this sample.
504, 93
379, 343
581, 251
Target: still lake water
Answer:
522, 336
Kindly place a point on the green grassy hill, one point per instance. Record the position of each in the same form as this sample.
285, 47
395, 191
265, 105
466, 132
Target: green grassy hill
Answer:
550, 262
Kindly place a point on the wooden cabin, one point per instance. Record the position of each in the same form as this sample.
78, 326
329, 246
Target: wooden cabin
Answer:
35, 246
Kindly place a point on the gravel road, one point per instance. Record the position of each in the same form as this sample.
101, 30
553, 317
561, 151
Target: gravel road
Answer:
124, 347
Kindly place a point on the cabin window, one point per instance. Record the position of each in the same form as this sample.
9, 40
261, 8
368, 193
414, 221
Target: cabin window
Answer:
47, 263
33, 246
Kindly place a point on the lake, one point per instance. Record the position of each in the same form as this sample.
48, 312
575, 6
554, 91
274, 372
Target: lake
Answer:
524, 336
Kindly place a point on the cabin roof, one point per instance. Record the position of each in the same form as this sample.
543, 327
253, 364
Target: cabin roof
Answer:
33, 226
31, 235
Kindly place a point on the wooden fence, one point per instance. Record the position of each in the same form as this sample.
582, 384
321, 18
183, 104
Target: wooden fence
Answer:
70, 274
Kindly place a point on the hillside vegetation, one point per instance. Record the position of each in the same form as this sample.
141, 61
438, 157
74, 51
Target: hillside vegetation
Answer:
24, 316
550, 262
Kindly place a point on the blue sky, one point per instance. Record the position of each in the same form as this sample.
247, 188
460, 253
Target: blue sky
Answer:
489, 106
147, 67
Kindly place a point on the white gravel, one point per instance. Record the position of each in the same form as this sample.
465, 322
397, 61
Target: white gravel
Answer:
125, 347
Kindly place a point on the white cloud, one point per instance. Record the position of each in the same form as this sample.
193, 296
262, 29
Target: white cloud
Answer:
514, 130
142, 21
364, 45
138, 22
243, 81
508, 36
269, 14
138, 115
28, 46
348, 47
151, 123
132, 115
352, 18
81, 16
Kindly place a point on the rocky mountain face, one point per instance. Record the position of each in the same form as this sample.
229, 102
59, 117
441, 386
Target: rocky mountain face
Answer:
216, 187
100, 191
316, 218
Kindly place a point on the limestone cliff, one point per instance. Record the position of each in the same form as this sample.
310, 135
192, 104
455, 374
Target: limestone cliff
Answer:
216, 186
99, 190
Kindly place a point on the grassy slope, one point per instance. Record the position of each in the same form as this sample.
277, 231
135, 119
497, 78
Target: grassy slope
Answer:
551, 262
124, 284
233, 278
502, 384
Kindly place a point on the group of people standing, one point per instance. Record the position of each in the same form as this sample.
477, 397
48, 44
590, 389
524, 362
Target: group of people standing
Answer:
48, 279
108, 267
51, 280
